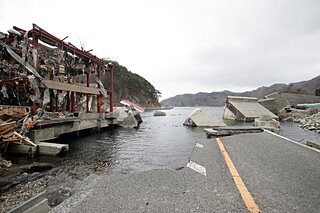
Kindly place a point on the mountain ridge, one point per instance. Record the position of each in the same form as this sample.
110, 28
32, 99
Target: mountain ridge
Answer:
218, 98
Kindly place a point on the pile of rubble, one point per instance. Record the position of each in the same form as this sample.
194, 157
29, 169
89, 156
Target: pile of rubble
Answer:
5, 163
15, 131
308, 119
311, 123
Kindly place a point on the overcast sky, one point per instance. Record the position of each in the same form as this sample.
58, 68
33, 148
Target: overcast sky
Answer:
187, 46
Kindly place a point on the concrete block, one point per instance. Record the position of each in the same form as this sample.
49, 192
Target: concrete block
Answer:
36, 204
38, 135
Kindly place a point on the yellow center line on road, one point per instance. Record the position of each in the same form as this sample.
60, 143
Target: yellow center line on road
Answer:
245, 194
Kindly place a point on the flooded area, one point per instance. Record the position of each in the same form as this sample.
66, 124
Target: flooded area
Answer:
160, 142
293, 131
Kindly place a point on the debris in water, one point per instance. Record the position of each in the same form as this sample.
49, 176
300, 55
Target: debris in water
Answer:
200, 117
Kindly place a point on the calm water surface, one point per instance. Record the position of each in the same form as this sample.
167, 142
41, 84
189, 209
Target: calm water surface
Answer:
159, 142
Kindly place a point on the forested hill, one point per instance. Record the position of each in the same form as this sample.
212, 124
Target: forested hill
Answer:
219, 98
133, 87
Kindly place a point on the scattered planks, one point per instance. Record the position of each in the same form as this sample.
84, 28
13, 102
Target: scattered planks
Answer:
25, 139
7, 129
8, 134
22, 144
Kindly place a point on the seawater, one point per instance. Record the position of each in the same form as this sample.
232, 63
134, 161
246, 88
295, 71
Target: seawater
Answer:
159, 142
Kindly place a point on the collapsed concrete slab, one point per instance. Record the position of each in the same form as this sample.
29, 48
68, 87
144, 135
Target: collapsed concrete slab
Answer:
43, 148
277, 102
127, 118
266, 121
245, 109
200, 117
159, 113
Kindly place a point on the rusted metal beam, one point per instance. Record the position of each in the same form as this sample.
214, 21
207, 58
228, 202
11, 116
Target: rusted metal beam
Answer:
99, 97
110, 69
22, 31
42, 34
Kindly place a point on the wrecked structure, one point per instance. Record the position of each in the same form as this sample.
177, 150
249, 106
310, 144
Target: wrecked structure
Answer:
245, 109
50, 87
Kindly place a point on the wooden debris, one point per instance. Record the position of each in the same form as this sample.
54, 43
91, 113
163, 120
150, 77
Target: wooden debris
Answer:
26, 139
8, 134
7, 129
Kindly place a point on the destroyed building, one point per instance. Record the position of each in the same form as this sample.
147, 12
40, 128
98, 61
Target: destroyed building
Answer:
45, 78
39, 69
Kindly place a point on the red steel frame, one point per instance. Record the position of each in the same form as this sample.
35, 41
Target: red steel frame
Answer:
39, 33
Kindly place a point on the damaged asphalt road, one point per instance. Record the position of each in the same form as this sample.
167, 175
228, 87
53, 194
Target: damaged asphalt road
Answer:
273, 170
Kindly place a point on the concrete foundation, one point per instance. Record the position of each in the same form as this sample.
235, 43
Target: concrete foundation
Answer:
50, 129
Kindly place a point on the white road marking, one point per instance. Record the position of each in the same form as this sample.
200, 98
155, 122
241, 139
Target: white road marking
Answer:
199, 145
198, 168
292, 141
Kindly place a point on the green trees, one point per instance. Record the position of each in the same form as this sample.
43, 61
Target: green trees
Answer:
128, 85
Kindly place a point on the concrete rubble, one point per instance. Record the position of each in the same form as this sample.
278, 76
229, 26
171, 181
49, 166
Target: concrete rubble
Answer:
245, 109
234, 130
311, 122
266, 121
202, 118
5, 163
127, 117
306, 114
159, 113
